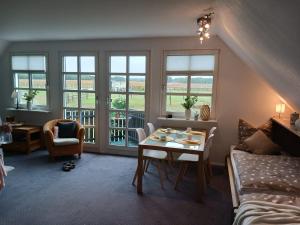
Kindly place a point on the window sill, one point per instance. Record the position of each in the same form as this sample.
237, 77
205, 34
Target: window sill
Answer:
26, 110
184, 120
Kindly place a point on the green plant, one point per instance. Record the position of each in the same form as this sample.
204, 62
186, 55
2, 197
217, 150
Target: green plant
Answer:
119, 103
30, 95
189, 102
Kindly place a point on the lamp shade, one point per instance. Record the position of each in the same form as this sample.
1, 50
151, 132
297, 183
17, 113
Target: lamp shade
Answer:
280, 108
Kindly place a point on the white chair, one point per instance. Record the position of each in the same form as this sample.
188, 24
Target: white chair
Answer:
148, 155
151, 128
212, 131
186, 158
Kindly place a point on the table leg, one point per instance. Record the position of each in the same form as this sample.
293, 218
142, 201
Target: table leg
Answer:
139, 187
200, 178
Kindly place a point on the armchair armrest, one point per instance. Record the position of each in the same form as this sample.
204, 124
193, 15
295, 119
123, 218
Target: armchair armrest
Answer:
80, 134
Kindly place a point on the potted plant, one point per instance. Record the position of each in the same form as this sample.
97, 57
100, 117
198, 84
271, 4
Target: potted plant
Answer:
189, 102
29, 97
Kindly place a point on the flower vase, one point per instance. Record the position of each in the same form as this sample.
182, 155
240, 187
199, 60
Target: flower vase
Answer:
205, 112
29, 105
188, 114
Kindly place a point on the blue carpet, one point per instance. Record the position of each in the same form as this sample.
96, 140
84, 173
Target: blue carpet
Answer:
99, 191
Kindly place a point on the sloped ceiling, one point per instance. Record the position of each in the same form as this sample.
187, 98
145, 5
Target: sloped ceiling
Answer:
266, 35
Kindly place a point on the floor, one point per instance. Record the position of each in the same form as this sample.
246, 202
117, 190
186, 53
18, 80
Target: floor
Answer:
99, 191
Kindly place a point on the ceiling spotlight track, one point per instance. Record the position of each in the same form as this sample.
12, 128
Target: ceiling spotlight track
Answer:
204, 23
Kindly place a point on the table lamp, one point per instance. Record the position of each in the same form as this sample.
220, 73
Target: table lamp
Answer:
15, 95
280, 108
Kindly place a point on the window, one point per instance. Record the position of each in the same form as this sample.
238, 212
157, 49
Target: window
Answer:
30, 73
127, 95
79, 98
188, 74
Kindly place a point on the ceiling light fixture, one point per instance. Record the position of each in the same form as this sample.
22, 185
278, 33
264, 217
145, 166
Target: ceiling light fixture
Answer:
204, 23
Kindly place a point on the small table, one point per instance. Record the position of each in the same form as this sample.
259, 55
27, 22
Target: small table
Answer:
25, 139
173, 146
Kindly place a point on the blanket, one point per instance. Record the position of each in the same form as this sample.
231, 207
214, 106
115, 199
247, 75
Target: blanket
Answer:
263, 213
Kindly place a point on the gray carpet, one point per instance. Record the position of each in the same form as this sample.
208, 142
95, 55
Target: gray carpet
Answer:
99, 191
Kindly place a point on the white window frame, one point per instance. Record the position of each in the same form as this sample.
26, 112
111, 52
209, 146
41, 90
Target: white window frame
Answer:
126, 150
30, 72
78, 91
165, 73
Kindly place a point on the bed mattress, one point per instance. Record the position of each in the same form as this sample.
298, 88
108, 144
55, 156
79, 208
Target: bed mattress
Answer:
263, 173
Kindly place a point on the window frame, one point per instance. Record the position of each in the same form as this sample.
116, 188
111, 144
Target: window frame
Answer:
189, 74
79, 91
126, 149
30, 73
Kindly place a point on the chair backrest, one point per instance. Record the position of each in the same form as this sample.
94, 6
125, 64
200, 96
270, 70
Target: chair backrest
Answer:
141, 134
212, 131
151, 128
208, 144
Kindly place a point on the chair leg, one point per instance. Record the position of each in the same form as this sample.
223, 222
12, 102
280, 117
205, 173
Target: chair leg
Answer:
160, 175
179, 175
146, 169
79, 156
206, 173
186, 165
144, 166
165, 168
209, 168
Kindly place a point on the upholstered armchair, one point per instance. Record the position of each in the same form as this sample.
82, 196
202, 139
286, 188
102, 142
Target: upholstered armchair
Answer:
63, 146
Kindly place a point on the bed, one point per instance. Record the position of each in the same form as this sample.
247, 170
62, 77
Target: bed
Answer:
260, 182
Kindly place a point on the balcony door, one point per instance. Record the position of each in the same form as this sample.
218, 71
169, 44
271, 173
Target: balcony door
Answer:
126, 99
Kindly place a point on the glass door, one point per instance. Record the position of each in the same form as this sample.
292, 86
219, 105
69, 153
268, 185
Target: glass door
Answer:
126, 98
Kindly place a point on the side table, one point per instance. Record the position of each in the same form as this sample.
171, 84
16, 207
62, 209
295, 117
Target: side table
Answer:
25, 139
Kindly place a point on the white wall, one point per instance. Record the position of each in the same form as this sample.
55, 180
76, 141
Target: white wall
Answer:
240, 92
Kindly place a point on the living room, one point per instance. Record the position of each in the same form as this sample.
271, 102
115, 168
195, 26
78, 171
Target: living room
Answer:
120, 45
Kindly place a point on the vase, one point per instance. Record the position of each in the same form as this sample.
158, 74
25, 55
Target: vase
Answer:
29, 105
188, 114
205, 112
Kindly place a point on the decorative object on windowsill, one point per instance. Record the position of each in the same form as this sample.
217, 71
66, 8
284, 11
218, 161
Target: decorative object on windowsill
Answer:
15, 95
280, 108
196, 115
297, 124
204, 23
205, 112
189, 102
294, 117
169, 115
29, 97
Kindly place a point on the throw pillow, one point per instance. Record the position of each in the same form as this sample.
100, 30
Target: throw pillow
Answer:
260, 144
66, 129
55, 133
246, 130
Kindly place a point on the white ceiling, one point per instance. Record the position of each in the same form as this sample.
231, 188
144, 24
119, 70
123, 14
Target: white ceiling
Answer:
89, 19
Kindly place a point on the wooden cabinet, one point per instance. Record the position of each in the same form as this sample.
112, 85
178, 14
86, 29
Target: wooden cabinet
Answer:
25, 139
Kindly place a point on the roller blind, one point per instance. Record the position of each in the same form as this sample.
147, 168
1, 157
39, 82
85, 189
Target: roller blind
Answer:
35, 63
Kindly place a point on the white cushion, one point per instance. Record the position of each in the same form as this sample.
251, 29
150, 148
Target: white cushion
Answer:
65, 141
188, 157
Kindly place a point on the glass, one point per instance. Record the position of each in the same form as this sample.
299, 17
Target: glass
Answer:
87, 117
40, 98
178, 63
133, 140
39, 80
173, 103
137, 83
117, 137
71, 114
89, 136
201, 84
136, 102
70, 64
87, 82
136, 120
203, 100
118, 101
117, 83
137, 64
177, 84
118, 64
21, 80
117, 119
202, 62
88, 100
70, 99
70, 82
87, 64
